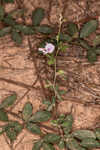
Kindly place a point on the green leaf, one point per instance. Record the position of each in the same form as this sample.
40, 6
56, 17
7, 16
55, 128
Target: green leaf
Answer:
33, 128
84, 44
82, 134
37, 16
97, 132
16, 37
45, 29
51, 61
65, 37
90, 143
47, 146
73, 29
88, 28
52, 138
37, 145
8, 1
3, 115
61, 144
16, 125
11, 134
72, 144
12, 129
67, 124
91, 56
27, 30
96, 41
5, 31
1, 13
8, 101
27, 111
40, 116
9, 20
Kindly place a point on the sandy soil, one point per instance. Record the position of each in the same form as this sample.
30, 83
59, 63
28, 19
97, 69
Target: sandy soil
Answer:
83, 86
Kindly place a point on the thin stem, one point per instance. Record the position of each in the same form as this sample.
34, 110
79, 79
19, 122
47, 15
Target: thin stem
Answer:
55, 67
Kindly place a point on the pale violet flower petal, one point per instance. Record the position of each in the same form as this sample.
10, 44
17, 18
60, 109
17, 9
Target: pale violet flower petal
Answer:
49, 47
41, 49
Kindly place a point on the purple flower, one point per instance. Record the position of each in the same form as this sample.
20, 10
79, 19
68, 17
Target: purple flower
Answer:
49, 48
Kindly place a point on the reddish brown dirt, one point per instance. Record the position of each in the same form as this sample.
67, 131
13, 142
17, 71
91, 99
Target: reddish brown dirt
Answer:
83, 85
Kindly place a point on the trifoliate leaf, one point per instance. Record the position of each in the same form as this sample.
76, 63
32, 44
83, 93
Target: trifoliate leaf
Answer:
7, 102
82, 134
90, 143
45, 29
88, 28
16, 37
27, 111
33, 128
52, 138
40, 116
37, 16
5, 31
97, 132
37, 145
47, 146
72, 144
1, 13
73, 29
3, 115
